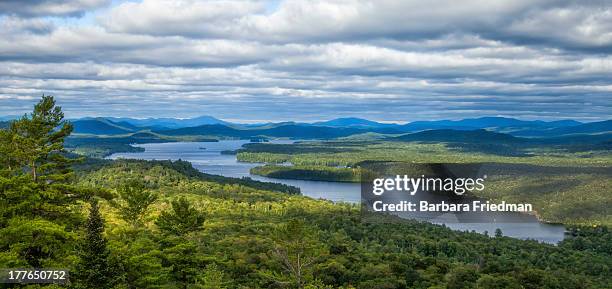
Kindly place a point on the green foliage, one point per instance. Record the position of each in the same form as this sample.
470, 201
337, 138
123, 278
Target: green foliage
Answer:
39, 213
134, 201
498, 233
140, 258
184, 263
249, 236
260, 235
181, 220
213, 278
35, 243
462, 278
497, 282
38, 142
563, 186
297, 248
153, 173
319, 173
349, 154
95, 269
593, 238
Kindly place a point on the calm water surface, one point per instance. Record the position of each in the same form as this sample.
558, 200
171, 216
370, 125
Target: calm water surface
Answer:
207, 157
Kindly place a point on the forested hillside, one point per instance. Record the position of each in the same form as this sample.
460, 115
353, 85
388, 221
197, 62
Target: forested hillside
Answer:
162, 224
565, 184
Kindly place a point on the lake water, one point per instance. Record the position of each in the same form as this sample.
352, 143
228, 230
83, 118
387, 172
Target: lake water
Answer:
207, 157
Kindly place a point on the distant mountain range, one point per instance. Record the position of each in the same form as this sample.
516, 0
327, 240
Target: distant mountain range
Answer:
352, 122
160, 123
342, 127
102, 126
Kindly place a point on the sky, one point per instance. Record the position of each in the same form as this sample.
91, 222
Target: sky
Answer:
304, 60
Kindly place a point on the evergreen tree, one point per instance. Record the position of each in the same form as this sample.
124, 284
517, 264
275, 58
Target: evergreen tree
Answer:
212, 278
498, 233
181, 220
35, 144
7, 148
37, 220
94, 269
297, 249
184, 261
134, 201
38, 142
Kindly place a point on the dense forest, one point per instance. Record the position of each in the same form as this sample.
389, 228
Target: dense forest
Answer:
564, 186
163, 224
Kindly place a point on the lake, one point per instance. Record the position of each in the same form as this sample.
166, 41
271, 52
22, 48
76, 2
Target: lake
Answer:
207, 157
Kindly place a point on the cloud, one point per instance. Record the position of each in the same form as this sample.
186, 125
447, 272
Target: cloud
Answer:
35, 8
11, 25
185, 18
310, 60
563, 24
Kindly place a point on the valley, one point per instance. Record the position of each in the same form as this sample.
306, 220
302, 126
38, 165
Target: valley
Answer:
200, 207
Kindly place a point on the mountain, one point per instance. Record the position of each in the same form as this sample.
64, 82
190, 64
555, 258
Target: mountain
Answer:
516, 127
339, 127
488, 122
490, 142
100, 126
264, 125
162, 123
287, 130
586, 128
468, 136
565, 122
351, 122
9, 117
484, 122
126, 125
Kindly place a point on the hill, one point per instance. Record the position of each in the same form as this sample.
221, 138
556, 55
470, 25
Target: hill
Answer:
339, 127
346, 251
171, 123
467, 136
289, 130
587, 128
100, 126
499, 124
352, 122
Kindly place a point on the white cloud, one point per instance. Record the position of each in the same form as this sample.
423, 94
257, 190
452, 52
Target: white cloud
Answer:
34, 8
311, 58
187, 18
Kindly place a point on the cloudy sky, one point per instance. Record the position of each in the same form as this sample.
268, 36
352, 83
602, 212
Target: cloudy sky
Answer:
307, 60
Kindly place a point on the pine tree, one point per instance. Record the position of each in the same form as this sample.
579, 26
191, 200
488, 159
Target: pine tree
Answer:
181, 220
94, 269
35, 144
38, 142
37, 221
498, 233
134, 201
297, 249
7, 147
